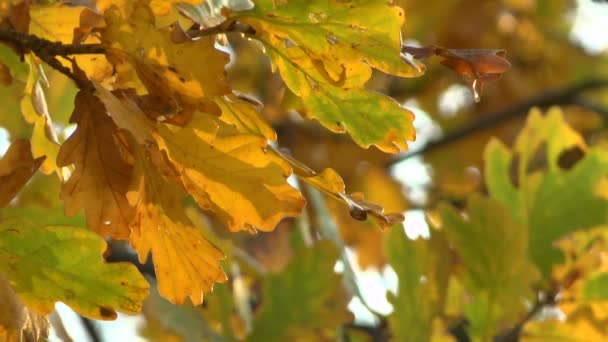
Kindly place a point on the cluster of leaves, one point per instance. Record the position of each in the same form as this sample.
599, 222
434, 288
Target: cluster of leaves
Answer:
131, 127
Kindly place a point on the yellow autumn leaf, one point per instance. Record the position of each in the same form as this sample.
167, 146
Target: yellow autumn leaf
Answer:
186, 263
57, 22
244, 116
16, 168
35, 110
231, 173
101, 175
188, 71
366, 31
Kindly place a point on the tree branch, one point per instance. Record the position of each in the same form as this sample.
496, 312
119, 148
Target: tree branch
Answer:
37, 44
566, 95
48, 51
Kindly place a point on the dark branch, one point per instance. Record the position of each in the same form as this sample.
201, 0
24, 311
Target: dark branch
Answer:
48, 51
37, 44
567, 95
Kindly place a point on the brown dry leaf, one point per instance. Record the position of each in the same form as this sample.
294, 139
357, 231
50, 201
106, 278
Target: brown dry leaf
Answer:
174, 72
101, 175
17, 322
234, 175
16, 168
476, 66
186, 263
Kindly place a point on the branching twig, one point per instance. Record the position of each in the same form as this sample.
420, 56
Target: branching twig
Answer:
567, 95
48, 51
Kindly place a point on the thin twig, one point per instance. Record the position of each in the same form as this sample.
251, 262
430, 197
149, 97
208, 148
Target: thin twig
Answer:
566, 95
35, 43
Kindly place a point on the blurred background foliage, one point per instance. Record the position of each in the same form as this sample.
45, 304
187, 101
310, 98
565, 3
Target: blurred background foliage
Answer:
292, 284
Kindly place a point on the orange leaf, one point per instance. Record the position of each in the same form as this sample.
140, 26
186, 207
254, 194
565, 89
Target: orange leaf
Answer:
186, 263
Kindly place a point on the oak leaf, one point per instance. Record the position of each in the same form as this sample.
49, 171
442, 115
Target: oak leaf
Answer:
337, 31
167, 70
101, 176
46, 264
186, 263
345, 105
62, 23
231, 173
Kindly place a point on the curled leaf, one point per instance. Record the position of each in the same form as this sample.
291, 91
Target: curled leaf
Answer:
476, 66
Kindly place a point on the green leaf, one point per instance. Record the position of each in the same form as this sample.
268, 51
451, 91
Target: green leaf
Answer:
305, 300
61, 263
346, 31
493, 250
345, 105
554, 203
423, 268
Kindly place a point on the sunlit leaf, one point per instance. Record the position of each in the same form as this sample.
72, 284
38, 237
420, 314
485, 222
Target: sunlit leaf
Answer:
230, 173
165, 68
337, 31
237, 111
345, 105
61, 263
59, 22
186, 263
101, 174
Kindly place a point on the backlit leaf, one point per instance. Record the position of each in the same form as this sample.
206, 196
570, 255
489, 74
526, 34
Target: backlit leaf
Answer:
101, 175
165, 68
186, 263
230, 173
345, 105
61, 263
337, 31
58, 22
244, 116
